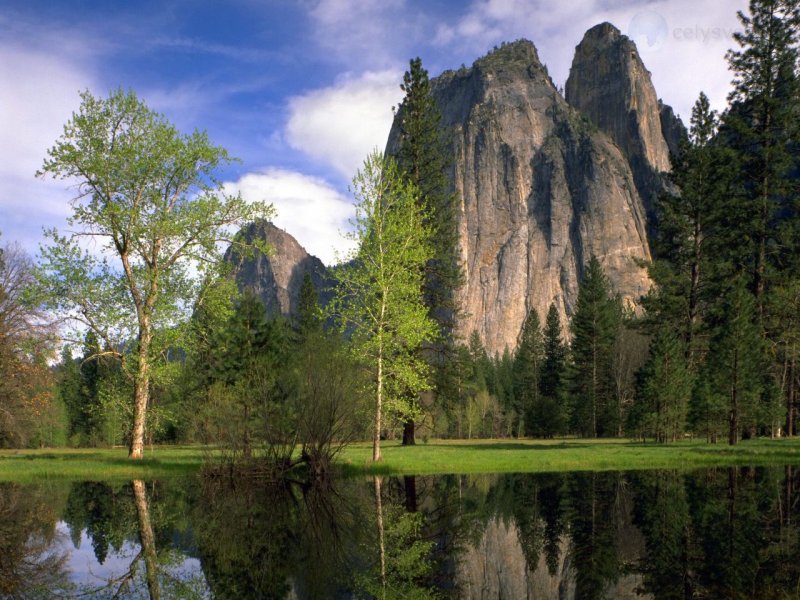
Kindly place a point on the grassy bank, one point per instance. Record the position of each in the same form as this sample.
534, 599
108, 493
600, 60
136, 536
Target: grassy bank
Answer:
435, 457
99, 464
539, 456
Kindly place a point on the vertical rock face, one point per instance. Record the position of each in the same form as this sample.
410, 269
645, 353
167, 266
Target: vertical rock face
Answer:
609, 83
672, 127
276, 279
540, 190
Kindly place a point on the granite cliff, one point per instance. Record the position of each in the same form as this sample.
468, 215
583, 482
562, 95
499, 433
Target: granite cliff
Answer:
541, 188
609, 83
542, 181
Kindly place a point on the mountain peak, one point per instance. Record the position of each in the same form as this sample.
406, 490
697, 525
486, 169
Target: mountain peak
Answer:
602, 31
609, 83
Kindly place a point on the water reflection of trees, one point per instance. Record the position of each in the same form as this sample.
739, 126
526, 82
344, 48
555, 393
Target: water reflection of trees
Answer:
31, 563
727, 533
263, 541
137, 522
721, 533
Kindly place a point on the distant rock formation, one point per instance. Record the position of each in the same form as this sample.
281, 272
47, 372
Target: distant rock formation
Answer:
276, 279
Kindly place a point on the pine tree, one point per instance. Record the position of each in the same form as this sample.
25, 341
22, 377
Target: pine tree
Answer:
424, 158
687, 223
595, 325
762, 126
550, 415
526, 373
665, 386
309, 314
246, 374
735, 363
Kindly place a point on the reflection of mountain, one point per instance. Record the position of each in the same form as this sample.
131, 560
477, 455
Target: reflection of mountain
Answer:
721, 533
567, 538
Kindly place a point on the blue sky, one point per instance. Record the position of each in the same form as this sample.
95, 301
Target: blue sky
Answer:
299, 90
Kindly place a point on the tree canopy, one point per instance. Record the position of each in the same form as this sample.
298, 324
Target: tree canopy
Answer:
145, 228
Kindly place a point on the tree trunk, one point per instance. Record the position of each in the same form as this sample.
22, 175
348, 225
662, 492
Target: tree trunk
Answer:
790, 399
410, 485
381, 536
147, 539
409, 428
733, 424
141, 397
376, 438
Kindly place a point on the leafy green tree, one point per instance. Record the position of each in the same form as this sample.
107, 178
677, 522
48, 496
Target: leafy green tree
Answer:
501, 390
149, 196
424, 157
595, 326
379, 299
527, 372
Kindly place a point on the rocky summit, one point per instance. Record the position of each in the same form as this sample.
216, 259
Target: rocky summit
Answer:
276, 279
543, 182
609, 83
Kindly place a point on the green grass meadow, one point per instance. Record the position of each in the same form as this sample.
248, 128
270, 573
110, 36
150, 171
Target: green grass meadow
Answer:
434, 457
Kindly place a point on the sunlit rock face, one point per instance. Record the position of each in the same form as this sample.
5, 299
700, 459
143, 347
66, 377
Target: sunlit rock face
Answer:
609, 83
542, 183
540, 189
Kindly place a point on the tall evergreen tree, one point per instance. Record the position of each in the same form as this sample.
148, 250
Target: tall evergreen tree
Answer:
309, 314
735, 363
527, 370
762, 126
550, 416
595, 326
424, 158
665, 386
686, 222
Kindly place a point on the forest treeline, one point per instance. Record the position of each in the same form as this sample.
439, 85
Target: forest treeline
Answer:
161, 357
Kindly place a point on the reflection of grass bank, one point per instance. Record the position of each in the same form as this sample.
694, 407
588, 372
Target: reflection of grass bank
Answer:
435, 457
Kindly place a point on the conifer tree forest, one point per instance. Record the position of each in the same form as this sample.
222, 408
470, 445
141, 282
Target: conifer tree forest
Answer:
712, 351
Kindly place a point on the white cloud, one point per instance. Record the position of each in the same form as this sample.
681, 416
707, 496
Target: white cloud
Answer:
38, 92
364, 32
339, 125
308, 208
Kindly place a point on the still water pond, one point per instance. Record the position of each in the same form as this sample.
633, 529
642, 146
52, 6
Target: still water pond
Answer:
723, 533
